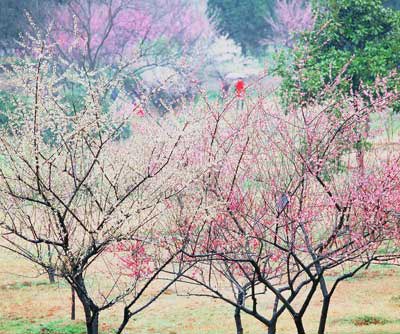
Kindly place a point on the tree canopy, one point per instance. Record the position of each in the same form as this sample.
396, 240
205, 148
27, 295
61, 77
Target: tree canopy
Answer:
359, 39
243, 21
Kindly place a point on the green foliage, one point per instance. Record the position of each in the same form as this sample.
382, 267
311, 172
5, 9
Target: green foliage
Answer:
361, 36
243, 21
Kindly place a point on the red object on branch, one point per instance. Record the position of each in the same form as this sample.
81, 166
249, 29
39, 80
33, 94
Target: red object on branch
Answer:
138, 109
140, 112
239, 88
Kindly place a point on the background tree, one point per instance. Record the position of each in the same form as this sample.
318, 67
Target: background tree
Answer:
160, 44
13, 21
292, 17
97, 32
243, 21
357, 39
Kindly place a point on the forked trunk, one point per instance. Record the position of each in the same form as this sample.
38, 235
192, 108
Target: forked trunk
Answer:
299, 325
90, 309
92, 321
272, 327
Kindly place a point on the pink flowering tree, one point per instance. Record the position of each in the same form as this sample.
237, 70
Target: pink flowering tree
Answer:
285, 205
291, 18
97, 32
157, 44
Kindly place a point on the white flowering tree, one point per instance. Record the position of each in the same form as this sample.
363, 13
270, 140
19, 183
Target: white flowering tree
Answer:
83, 182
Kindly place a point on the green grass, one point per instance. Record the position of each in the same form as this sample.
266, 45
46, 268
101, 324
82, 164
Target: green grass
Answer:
22, 326
367, 320
24, 285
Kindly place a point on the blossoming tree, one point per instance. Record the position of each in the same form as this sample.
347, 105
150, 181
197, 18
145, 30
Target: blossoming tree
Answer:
95, 32
291, 18
287, 206
73, 185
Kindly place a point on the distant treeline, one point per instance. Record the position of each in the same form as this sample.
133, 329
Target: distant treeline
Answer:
13, 20
245, 21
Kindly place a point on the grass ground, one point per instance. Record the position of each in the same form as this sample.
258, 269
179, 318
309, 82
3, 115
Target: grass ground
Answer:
367, 304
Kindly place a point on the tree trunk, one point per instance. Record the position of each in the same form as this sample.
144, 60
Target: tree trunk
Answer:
124, 321
272, 327
299, 325
324, 315
72, 304
92, 320
238, 318
93, 326
51, 272
238, 321
91, 310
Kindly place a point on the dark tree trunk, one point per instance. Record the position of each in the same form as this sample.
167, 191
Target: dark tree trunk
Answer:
299, 325
324, 315
124, 321
93, 326
90, 309
272, 327
72, 304
238, 318
51, 272
92, 320
238, 321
